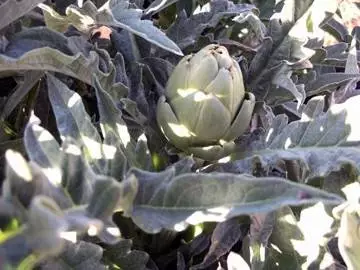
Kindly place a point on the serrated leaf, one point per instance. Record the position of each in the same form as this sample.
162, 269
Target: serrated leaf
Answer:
185, 31
321, 142
74, 16
284, 49
77, 66
329, 81
114, 13
157, 201
13, 10
115, 133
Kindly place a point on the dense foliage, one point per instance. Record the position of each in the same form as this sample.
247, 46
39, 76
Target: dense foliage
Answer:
90, 181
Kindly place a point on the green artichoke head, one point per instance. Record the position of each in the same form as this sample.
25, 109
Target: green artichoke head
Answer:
205, 106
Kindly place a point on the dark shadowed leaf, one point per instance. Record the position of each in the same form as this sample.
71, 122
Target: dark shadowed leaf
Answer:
329, 82
35, 38
124, 257
225, 235
81, 256
22, 89
12, 10
286, 40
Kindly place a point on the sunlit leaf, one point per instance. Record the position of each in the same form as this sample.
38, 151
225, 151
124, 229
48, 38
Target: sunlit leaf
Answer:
159, 200
321, 142
113, 13
73, 120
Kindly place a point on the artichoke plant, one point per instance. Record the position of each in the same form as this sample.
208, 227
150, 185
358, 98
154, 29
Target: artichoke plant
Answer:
205, 106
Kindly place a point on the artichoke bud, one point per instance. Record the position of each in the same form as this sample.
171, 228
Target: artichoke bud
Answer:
205, 107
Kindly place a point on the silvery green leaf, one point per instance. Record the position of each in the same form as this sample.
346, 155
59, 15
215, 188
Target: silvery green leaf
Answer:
24, 181
158, 5
157, 201
60, 23
114, 13
311, 246
282, 78
77, 66
349, 88
115, 133
18, 172
45, 217
77, 178
13, 10
44, 227
39, 238
104, 198
284, 46
102, 205
261, 228
41, 146
73, 120
281, 252
351, 62
123, 256
321, 142
185, 31
329, 81
337, 29
143, 155
348, 233
81, 255
119, 14
34, 38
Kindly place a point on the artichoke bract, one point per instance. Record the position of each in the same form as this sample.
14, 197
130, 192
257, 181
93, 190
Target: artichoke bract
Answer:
205, 107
